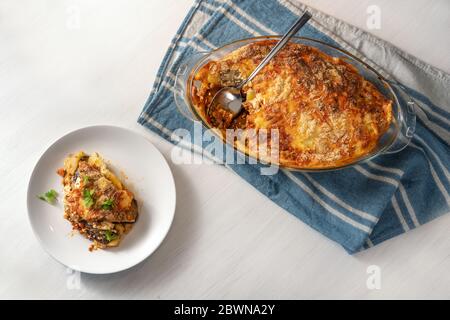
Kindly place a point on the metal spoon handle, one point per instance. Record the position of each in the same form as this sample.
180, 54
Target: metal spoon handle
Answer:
292, 31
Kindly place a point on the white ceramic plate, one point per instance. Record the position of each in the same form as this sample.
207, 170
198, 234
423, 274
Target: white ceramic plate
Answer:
147, 175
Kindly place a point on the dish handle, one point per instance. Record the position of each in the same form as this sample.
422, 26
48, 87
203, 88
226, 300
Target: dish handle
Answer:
406, 119
181, 87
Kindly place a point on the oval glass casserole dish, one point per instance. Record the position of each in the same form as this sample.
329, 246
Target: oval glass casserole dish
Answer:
330, 110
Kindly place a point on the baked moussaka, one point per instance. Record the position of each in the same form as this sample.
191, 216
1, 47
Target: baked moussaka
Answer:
325, 113
96, 202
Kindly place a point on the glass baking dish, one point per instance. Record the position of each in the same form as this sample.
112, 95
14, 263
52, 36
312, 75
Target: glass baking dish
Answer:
396, 138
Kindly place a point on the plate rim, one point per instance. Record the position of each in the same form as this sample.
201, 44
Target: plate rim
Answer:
28, 198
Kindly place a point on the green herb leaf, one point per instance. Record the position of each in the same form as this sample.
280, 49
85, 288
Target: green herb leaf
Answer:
107, 205
85, 179
50, 196
88, 198
110, 236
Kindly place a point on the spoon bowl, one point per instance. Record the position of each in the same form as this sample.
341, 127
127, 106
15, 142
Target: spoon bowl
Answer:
228, 98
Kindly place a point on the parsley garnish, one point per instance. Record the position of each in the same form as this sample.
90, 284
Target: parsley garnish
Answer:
49, 196
110, 236
88, 198
107, 205
85, 179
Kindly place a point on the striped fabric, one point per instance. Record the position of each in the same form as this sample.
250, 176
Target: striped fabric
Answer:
357, 207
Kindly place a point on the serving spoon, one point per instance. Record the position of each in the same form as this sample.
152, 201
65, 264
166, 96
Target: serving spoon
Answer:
230, 98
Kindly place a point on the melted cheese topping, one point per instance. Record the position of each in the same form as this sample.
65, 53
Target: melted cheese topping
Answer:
327, 115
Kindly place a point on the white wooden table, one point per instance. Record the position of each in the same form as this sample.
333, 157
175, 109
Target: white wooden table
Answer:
69, 64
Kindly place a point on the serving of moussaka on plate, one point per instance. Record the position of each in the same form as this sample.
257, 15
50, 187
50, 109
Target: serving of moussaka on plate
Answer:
95, 201
326, 114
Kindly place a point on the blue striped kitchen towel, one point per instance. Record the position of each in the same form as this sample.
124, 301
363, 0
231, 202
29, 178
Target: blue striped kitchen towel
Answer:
357, 207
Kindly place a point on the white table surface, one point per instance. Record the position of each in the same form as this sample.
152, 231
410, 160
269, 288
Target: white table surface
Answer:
227, 240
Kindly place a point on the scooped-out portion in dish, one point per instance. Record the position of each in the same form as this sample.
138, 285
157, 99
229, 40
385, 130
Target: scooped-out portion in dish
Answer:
96, 202
325, 113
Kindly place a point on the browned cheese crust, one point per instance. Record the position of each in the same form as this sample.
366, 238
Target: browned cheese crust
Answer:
327, 114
